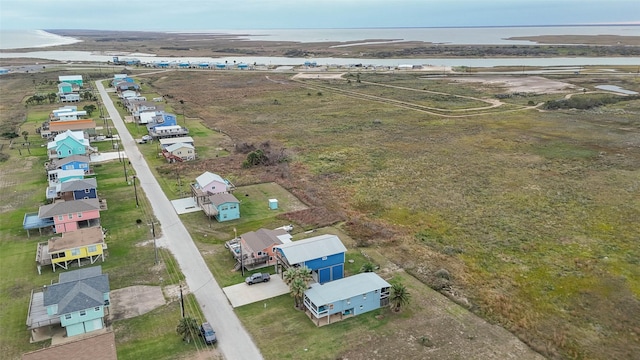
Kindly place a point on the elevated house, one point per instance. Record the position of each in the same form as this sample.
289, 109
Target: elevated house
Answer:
55, 114
179, 152
73, 162
346, 297
256, 249
136, 107
131, 94
78, 302
324, 255
69, 143
73, 215
74, 247
208, 184
223, 206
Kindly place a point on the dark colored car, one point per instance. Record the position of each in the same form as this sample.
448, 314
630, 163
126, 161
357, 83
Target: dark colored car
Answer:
207, 333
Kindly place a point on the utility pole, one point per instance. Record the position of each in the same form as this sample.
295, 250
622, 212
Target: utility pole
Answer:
135, 190
155, 246
181, 302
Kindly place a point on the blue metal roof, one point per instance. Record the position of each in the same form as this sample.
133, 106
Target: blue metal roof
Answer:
345, 288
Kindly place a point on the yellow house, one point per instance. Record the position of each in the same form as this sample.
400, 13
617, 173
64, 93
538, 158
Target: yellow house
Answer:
73, 246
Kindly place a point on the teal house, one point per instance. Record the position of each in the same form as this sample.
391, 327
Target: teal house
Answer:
65, 88
225, 207
72, 79
79, 300
67, 144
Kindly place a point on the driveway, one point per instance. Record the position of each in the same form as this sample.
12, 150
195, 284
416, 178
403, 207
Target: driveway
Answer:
243, 294
233, 339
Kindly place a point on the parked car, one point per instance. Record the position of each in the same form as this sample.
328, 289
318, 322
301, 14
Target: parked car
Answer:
207, 333
257, 278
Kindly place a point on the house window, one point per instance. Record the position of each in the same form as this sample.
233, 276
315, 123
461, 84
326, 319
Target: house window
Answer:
70, 216
93, 248
67, 316
60, 217
96, 309
233, 206
364, 297
83, 312
86, 191
75, 252
348, 301
324, 258
79, 215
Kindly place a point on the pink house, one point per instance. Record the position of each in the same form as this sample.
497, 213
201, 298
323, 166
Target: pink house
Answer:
209, 184
74, 214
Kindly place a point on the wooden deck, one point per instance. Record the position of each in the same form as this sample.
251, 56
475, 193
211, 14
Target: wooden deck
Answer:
38, 316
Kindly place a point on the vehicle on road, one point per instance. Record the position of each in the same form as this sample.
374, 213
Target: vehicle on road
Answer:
257, 278
207, 333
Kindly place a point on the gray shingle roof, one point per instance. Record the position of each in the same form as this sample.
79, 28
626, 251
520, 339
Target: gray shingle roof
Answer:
68, 207
78, 291
78, 184
262, 239
221, 198
312, 248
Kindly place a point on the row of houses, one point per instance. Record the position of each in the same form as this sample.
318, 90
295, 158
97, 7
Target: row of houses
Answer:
80, 299
331, 296
160, 125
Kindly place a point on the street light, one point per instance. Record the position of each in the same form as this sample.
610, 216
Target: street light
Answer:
135, 189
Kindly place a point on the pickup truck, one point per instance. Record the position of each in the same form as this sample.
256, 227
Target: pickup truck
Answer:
257, 278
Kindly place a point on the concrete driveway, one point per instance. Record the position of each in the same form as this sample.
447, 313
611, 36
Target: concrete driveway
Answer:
243, 294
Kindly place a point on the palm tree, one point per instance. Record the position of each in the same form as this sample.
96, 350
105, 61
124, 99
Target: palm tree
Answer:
368, 267
187, 328
399, 296
298, 287
298, 279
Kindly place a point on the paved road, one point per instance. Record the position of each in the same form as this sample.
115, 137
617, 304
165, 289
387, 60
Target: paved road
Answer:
234, 341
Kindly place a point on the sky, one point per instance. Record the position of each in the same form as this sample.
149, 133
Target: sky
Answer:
172, 15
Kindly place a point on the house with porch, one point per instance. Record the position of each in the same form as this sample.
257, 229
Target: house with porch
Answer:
324, 255
223, 206
74, 247
78, 302
179, 152
59, 177
74, 214
257, 248
346, 297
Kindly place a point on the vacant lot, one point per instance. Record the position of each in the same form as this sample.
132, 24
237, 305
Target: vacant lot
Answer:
534, 214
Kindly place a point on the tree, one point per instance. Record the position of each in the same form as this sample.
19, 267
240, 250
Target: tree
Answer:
53, 97
89, 109
399, 297
298, 279
26, 135
187, 328
368, 267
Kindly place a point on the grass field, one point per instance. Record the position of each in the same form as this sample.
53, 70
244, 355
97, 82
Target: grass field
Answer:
534, 214
531, 212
